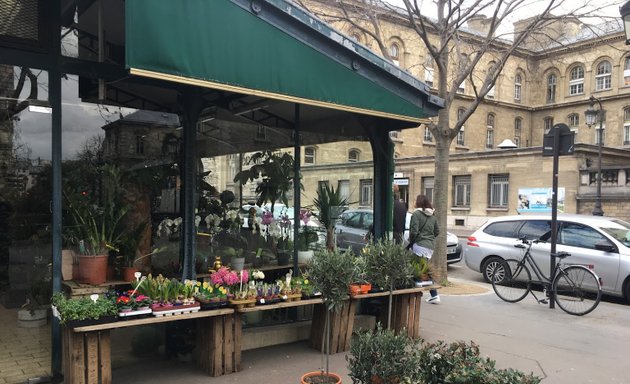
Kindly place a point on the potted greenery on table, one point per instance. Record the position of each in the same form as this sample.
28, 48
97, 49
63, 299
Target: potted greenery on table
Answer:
331, 272
97, 225
84, 311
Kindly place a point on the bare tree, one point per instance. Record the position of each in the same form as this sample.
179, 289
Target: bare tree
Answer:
458, 54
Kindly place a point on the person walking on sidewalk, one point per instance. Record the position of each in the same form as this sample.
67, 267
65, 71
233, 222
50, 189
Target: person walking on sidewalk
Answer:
423, 230
400, 215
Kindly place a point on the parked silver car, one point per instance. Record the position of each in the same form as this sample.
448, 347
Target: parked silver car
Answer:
602, 243
353, 225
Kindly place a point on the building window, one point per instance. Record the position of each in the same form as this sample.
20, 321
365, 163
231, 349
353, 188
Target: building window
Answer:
626, 126
140, 145
323, 184
551, 88
547, 124
309, 155
576, 81
428, 70
517, 141
353, 156
490, 131
490, 94
600, 134
574, 121
395, 135
518, 125
366, 192
394, 53
427, 187
461, 190
603, 76
343, 186
517, 87
491, 69
460, 134
498, 191
428, 137
626, 71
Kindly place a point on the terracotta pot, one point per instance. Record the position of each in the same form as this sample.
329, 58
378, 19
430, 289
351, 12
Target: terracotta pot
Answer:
365, 288
329, 378
93, 269
128, 273
355, 289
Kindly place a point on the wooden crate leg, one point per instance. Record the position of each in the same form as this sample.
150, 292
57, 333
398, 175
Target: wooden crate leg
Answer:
105, 353
238, 334
91, 358
76, 361
228, 345
217, 346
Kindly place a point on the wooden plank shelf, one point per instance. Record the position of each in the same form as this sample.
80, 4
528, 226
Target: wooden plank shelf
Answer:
283, 304
406, 291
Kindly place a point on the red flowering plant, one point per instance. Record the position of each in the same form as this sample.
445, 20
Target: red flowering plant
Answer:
235, 282
132, 300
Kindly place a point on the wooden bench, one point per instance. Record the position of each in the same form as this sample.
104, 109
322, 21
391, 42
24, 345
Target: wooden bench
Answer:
87, 350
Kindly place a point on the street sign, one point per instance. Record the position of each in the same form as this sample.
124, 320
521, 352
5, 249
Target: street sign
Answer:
566, 140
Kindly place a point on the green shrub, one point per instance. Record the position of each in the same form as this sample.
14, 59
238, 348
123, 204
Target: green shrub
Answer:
382, 356
83, 308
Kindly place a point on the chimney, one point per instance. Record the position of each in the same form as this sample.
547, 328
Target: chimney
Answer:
479, 23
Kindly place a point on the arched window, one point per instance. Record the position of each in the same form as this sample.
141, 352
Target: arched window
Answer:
576, 81
309, 155
429, 70
603, 76
491, 93
428, 137
353, 156
547, 124
518, 87
394, 53
551, 88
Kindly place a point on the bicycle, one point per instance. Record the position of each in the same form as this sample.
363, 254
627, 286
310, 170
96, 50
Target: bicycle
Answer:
575, 288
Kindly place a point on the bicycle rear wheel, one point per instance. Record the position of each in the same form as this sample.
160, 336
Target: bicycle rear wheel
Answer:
511, 280
577, 290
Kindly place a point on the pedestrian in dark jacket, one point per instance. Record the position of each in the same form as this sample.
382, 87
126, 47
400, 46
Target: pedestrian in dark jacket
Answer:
400, 216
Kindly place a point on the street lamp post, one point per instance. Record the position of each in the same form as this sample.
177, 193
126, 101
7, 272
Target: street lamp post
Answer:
591, 114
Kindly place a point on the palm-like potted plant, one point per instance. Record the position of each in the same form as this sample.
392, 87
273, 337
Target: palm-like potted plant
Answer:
330, 204
331, 273
97, 225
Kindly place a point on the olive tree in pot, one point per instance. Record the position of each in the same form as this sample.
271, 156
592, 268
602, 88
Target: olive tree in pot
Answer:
389, 266
331, 273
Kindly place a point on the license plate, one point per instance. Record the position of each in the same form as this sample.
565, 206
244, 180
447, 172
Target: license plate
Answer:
451, 250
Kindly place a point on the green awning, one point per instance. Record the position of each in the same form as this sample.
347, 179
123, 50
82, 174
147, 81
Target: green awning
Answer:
271, 49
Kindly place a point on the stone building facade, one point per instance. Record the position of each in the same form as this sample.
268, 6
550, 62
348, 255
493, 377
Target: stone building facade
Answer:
542, 84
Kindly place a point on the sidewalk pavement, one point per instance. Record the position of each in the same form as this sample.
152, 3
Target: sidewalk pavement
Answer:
560, 348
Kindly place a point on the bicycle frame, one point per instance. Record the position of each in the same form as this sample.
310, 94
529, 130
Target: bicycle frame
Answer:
541, 279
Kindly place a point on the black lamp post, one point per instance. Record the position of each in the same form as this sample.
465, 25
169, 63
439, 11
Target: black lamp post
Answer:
625, 15
591, 114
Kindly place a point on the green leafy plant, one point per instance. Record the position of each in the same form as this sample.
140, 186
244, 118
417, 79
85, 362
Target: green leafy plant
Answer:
97, 225
329, 204
83, 308
278, 175
389, 266
383, 356
421, 267
459, 362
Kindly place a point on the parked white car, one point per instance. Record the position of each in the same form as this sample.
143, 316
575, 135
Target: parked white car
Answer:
602, 243
353, 225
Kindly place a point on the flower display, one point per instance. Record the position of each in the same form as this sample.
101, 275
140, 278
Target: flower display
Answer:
258, 275
131, 300
208, 292
227, 277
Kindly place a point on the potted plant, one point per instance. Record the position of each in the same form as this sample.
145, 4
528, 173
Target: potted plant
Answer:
284, 250
210, 296
34, 313
421, 271
329, 204
331, 273
84, 311
97, 226
388, 265
306, 237
383, 357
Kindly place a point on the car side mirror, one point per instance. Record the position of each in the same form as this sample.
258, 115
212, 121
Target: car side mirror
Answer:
606, 247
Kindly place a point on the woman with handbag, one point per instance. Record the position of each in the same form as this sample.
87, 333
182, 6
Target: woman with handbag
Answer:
423, 230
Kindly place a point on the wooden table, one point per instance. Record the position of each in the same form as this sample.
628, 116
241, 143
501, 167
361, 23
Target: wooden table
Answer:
87, 349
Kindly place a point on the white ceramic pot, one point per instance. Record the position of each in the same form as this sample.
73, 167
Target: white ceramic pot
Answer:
305, 256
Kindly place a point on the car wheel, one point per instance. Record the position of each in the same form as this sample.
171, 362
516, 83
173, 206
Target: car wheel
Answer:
489, 266
626, 289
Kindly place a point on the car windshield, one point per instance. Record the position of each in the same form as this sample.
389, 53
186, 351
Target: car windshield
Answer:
620, 230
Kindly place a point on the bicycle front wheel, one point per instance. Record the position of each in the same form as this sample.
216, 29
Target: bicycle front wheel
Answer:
577, 290
511, 280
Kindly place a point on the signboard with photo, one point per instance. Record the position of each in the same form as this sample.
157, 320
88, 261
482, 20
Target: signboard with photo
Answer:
538, 200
